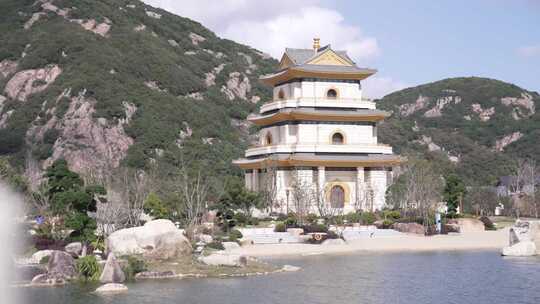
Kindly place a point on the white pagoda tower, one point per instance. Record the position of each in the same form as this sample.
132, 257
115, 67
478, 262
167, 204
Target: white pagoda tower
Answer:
318, 132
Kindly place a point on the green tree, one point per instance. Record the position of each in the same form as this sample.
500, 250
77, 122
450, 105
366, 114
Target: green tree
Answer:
454, 191
236, 199
154, 206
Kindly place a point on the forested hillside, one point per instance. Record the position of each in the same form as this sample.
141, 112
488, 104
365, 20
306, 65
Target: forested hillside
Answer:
476, 127
116, 83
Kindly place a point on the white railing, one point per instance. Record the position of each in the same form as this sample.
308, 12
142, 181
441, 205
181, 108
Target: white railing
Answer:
319, 148
355, 103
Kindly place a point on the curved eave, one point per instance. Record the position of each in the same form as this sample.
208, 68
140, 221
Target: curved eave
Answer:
298, 72
292, 115
292, 161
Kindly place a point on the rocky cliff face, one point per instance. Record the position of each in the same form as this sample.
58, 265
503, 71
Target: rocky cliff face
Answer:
73, 86
477, 125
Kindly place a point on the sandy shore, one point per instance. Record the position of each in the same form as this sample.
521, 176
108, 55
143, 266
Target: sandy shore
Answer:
488, 240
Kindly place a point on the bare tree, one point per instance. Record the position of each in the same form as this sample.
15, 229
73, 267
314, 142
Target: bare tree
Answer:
523, 188
483, 200
302, 196
192, 191
269, 187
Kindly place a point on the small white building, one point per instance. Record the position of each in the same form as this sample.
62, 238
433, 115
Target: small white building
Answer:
318, 135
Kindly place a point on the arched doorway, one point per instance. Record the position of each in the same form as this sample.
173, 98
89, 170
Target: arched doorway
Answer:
337, 197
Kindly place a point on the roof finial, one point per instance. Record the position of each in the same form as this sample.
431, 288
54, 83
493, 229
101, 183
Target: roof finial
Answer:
316, 43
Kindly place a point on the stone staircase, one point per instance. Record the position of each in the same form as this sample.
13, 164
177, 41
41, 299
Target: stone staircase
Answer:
268, 236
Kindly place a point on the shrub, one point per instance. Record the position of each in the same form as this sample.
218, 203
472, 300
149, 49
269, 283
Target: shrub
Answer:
215, 245
291, 220
280, 227
391, 214
353, 217
387, 224
88, 268
253, 221
315, 228
311, 218
336, 220
240, 218
134, 266
235, 235
332, 235
368, 218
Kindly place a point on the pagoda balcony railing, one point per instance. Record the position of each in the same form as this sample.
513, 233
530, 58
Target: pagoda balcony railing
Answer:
354, 103
319, 148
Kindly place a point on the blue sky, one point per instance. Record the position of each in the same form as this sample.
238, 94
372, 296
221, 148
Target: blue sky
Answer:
423, 41
410, 42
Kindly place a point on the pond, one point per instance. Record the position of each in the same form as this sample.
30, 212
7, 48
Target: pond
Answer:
445, 277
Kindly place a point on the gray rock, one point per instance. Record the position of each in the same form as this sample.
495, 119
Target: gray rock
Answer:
112, 288
74, 249
38, 256
144, 239
171, 245
48, 279
230, 245
112, 272
524, 248
221, 259
62, 264
155, 275
409, 228
290, 268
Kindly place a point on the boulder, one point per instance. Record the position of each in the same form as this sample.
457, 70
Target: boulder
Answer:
295, 231
205, 238
170, 245
62, 264
112, 288
74, 249
379, 224
220, 259
451, 228
112, 272
290, 268
39, 255
488, 223
155, 275
331, 242
144, 239
524, 248
48, 279
230, 245
409, 228
246, 242
468, 225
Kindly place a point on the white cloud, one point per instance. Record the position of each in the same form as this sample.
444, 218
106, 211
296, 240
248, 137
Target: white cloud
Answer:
270, 26
529, 51
377, 87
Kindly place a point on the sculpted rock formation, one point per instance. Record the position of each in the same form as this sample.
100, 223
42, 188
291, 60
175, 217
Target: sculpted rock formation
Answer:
112, 272
524, 239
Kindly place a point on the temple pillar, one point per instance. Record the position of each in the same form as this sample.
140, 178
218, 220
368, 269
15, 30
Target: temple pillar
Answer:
360, 189
255, 180
378, 179
248, 180
321, 179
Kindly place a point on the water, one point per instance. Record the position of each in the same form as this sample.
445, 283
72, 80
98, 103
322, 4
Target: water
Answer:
444, 277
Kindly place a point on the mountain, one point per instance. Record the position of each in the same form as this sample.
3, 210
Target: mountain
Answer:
117, 83
474, 126
109, 83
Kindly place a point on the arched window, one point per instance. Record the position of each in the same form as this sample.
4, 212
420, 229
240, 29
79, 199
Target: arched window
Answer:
281, 95
332, 93
268, 139
337, 197
337, 139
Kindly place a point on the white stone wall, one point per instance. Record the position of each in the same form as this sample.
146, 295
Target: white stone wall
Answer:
318, 89
319, 134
